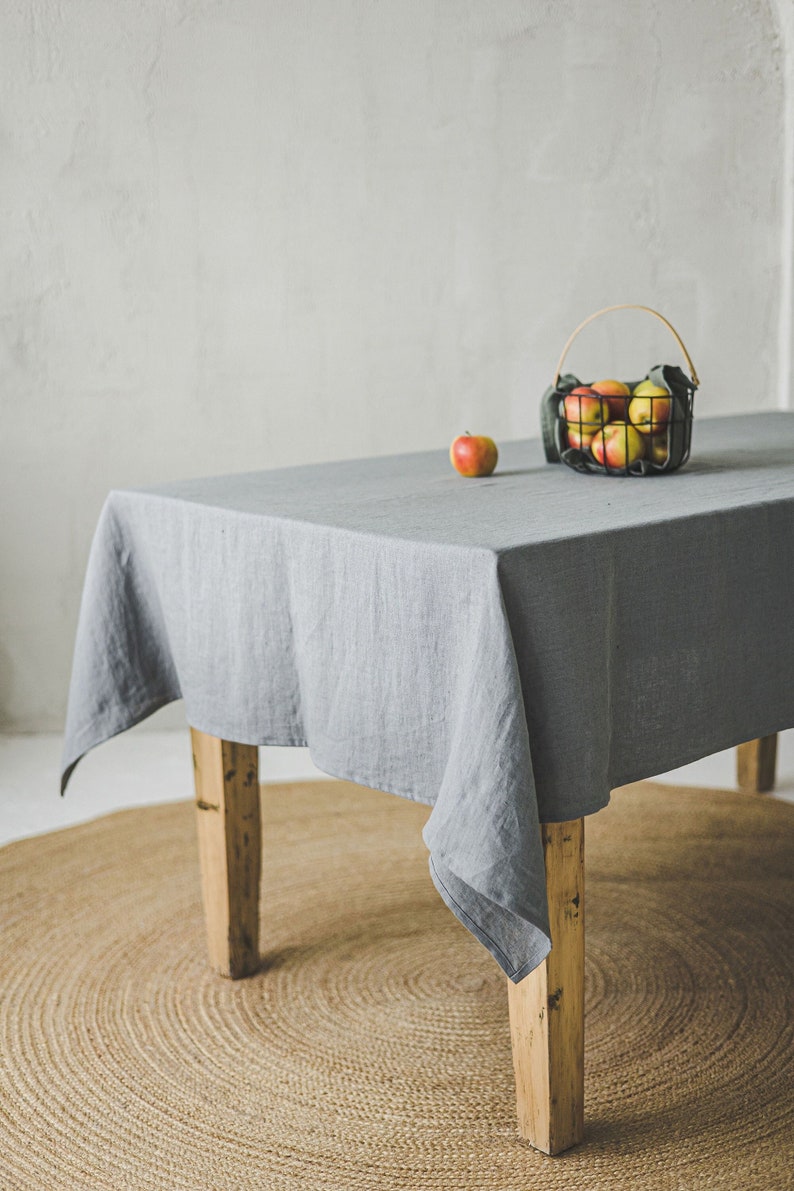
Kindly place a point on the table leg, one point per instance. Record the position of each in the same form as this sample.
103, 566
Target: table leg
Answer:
755, 764
227, 804
547, 1006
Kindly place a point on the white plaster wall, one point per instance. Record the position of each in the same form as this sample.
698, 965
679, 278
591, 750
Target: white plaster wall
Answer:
244, 233
784, 10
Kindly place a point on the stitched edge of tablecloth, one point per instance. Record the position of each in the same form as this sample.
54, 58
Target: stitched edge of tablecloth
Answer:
514, 974
138, 711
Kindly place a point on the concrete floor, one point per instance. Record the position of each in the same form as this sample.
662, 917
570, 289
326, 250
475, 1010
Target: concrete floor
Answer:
147, 765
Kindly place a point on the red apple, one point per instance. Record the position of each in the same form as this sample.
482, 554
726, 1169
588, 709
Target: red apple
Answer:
577, 439
584, 407
473, 454
618, 445
650, 408
616, 394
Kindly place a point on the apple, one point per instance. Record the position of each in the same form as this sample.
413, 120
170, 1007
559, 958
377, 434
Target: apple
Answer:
584, 407
618, 445
650, 408
616, 394
579, 439
473, 454
657, 449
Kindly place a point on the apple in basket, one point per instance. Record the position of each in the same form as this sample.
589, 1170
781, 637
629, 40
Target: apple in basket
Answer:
650, 408
579, 439
473, 454
618, 445
584, 407
616, 394
657, 449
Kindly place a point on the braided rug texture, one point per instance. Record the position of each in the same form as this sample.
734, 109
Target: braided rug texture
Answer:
372, 1050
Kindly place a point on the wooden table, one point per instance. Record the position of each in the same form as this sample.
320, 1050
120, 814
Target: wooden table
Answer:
585, 633
546, 1007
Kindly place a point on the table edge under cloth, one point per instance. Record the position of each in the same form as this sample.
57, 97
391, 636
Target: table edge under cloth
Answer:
502, 902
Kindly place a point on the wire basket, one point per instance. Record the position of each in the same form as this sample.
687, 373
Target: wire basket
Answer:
621, 428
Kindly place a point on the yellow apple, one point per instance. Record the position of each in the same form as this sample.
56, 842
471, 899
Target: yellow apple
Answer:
657, 449
650, 407
617, 445
577, 439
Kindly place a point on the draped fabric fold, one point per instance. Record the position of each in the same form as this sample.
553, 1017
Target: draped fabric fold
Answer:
505, 650
392, 661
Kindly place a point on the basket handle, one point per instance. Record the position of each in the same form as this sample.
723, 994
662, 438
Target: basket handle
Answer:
627, 306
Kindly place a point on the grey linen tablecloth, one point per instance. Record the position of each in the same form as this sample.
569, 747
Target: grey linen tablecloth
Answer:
506, 650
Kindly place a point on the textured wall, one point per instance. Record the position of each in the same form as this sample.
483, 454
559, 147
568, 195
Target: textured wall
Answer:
244, 233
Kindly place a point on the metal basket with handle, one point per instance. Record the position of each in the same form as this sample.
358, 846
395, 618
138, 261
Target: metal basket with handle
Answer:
621, 428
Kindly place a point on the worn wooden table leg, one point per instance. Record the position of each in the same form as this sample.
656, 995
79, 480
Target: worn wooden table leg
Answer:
547, 1007
227, 805
755, 764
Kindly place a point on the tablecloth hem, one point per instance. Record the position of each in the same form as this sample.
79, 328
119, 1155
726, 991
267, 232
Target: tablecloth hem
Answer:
132, 716
361, 779
537, 956
722, 746
576, 813
342, 774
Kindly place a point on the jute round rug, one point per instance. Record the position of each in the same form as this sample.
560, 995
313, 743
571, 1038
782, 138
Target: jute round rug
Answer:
372, 1051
